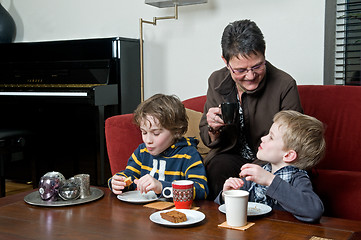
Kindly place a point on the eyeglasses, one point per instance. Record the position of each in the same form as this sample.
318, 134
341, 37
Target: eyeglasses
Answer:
243, 71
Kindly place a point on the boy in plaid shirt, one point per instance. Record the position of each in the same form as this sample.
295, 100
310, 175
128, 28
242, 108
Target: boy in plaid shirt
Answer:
295, 143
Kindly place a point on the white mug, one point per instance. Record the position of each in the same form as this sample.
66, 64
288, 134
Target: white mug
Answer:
236, 205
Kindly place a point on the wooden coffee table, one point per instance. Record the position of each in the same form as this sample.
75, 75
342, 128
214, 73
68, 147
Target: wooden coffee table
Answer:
110, 218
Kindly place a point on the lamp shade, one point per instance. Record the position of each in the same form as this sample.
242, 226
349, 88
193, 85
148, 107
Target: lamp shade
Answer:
171, 3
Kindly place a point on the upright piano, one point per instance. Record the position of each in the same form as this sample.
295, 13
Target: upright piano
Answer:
61, 92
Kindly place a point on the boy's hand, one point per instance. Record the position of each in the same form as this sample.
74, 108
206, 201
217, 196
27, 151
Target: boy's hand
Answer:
232, 183
257, 174
148, 183
118, 184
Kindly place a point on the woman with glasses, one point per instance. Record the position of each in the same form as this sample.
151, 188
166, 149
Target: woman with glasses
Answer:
261, 91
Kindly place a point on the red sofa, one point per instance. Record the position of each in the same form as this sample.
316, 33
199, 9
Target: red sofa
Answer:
337, 178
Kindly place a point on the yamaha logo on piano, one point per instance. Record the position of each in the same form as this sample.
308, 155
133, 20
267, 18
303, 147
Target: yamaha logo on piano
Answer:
34, 80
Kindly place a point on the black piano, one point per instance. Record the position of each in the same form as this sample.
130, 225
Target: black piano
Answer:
61, 92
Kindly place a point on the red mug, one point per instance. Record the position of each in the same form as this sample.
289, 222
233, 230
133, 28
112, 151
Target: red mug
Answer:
181, 192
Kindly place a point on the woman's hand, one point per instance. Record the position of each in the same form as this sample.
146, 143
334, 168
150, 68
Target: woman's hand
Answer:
257, 174
215, 122
148, 183
213, 118
118, 184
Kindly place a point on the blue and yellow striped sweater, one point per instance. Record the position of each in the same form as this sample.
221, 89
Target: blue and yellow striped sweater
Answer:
180, 161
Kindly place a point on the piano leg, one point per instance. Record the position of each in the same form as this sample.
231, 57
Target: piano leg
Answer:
100, 142
2, 176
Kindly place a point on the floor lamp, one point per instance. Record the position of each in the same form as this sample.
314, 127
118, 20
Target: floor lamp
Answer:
159, 4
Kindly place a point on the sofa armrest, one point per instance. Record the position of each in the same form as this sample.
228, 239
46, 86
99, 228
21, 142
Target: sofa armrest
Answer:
122, 138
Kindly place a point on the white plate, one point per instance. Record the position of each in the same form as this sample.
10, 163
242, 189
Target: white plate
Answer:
193, 217
137, 197
254, 209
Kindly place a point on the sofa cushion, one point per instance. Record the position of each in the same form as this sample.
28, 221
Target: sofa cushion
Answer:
196, 103
194, 118
339, 192
339, 108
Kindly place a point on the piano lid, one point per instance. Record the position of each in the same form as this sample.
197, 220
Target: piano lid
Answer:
81, 73
64, 50
66, 63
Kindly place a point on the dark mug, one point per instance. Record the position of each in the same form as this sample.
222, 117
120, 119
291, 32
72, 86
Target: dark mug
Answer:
229, 112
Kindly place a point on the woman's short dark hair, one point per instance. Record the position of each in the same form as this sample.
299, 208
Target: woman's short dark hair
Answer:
168, 110
242, 38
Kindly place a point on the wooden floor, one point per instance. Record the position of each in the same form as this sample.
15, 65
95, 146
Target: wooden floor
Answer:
12, 187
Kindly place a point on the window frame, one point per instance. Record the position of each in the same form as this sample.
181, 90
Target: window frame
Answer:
330, 26
330, 61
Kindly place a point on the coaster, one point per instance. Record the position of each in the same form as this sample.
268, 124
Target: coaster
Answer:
160, 205
243, 228
193, 208
319, 238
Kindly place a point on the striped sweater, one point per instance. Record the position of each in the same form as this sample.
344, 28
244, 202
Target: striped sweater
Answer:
179, 162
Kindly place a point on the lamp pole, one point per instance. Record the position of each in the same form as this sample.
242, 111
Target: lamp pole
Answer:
154, 22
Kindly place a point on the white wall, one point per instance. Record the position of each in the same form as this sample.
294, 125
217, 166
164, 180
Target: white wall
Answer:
181, 54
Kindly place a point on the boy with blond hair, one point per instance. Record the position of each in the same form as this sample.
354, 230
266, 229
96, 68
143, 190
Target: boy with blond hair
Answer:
294, 144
